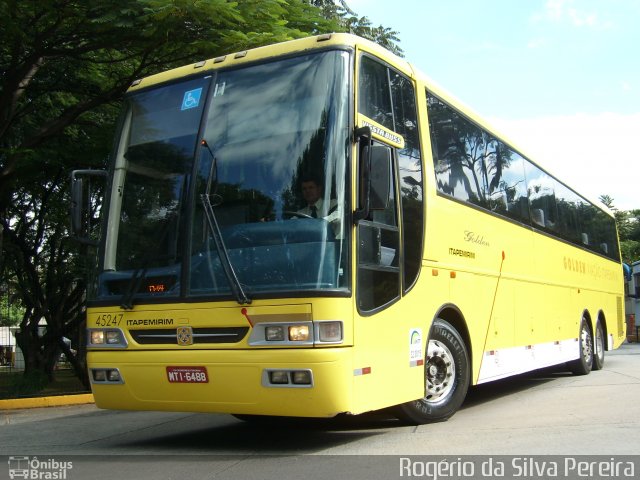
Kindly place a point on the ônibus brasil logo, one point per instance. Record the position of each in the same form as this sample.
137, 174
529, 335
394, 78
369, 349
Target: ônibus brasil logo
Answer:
32, 468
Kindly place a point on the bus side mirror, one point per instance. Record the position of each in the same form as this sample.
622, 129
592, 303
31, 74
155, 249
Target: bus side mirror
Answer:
77, 188
80, 203
375, 175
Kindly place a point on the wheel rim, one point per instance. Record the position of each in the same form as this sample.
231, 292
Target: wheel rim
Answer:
587, 347
439, 372
599, 343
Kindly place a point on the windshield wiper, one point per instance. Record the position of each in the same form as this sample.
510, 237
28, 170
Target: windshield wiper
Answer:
234, 282
137, 277
236, 287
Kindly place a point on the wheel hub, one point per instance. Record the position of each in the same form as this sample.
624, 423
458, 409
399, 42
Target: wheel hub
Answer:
587, 346
439, 370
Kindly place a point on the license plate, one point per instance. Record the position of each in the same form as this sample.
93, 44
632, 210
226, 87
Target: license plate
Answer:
187, 375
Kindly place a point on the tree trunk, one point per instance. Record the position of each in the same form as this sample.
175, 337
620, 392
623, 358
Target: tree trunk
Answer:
31, 352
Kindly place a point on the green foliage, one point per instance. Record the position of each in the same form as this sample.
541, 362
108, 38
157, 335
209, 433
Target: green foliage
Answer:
628, 224
629, 231
350, 22
11, 312
630, 250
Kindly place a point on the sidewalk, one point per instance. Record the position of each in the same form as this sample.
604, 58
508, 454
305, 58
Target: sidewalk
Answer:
39, 402
625, 349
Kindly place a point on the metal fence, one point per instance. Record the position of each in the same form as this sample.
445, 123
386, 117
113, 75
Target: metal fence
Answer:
15, 384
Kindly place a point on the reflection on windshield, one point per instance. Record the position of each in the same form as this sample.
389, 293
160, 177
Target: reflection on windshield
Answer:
278, 140
272, 161
150, 180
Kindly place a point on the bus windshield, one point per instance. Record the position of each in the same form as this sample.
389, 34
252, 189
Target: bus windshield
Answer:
265, 147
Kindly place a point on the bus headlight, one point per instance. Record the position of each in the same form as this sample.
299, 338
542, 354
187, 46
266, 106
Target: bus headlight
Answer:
292, 333
114, 337
96, 337
274, 333
106, 338
330, 332
299, 333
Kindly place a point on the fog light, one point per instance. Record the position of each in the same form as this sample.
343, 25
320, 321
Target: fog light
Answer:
302, 377
113, 376
278, 377
299, 333
99, 375
330, 331
97, 337
274, 333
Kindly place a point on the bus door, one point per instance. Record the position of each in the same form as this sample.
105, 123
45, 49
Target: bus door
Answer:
389, 337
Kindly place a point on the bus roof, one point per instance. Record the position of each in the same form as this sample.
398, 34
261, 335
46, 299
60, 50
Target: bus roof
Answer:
290, 47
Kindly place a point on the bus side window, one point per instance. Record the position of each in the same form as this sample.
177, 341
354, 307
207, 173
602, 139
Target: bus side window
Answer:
378, 255
542, 197
409, 177
459, 154
374, 98
472, 165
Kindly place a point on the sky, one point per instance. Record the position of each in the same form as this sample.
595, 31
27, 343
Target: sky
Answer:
560, 78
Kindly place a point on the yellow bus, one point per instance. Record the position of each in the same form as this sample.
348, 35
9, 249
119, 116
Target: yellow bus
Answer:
315, 228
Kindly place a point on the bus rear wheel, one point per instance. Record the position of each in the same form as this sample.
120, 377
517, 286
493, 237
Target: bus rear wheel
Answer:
598, 344
582, 366
447, 377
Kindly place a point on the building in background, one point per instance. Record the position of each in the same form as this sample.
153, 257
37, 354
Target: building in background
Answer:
8, 349
632, 300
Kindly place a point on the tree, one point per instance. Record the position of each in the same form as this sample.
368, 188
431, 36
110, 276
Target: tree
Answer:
628, 225
62, 59
350, 22
630, 236
64, 65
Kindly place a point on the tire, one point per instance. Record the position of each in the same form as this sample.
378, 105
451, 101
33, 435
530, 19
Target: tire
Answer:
598, 346
582, 366
447, 377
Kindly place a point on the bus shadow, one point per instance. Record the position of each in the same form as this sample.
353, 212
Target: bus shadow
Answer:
277, 436
497, 389
286, 436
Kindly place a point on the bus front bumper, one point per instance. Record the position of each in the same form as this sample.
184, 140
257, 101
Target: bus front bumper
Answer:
226, 381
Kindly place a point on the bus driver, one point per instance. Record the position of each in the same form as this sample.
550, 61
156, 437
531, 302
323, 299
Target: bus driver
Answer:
317, 206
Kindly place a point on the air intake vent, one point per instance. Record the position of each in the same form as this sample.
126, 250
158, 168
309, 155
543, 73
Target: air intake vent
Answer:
168, 336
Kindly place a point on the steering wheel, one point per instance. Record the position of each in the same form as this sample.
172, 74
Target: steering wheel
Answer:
291, 213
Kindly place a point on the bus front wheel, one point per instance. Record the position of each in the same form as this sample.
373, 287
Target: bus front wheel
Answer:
447, 377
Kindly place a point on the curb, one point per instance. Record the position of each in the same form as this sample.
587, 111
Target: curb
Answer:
39, 402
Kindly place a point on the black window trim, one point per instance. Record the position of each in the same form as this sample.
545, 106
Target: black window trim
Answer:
530, 225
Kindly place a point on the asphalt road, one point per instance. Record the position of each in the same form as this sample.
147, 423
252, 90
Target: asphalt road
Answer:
544, 413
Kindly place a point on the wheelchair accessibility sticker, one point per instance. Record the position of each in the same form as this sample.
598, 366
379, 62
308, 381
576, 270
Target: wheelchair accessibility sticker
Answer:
191, 99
